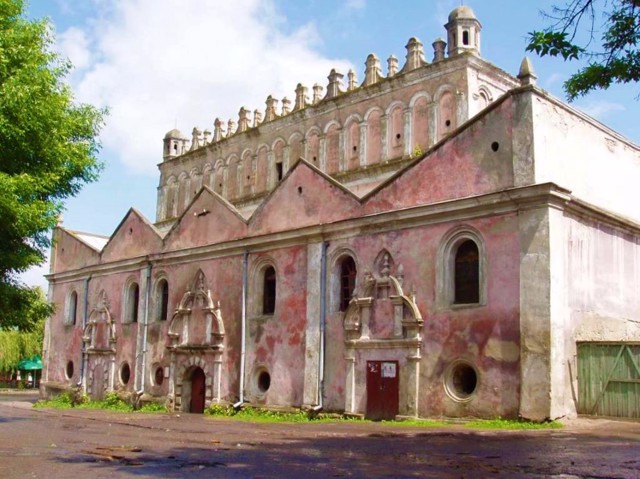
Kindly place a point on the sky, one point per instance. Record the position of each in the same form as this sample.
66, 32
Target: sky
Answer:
161, 64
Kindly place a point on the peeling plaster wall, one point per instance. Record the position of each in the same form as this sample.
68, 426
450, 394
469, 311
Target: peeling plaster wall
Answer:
582, 155
488, 335
276, 343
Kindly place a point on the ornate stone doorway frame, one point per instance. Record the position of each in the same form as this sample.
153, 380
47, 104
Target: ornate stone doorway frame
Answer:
406, 338
99, 339
190, 351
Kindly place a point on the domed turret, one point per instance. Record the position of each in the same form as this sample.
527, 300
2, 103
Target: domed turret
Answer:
463, 31
174, 142
463, 12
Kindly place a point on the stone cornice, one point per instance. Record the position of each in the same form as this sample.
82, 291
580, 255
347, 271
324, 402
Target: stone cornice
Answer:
465, 209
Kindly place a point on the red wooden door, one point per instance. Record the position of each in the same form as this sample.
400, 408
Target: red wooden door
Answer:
197, 391
382, 390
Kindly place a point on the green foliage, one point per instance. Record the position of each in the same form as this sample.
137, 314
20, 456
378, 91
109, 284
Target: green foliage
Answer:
511, 424
616, 60
16, 345
153, 407
111, 402
249, 413
49, 151
418, 423
61, 401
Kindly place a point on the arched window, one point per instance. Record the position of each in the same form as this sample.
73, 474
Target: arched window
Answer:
467, 273
132, 302
462, 270
347, 281
162, 300
269, 291
72, 308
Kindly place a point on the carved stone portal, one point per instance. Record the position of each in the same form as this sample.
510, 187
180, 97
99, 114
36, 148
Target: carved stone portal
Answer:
196, 337
99, 338
381, 316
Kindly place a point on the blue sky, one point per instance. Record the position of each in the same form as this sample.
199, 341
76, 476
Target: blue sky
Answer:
163, 63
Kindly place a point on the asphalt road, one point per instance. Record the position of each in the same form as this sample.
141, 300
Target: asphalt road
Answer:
37, 443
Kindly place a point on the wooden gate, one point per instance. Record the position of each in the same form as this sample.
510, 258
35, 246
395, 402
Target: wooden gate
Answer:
382, 390
609, 379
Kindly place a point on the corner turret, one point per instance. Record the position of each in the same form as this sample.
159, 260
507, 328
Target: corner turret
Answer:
463, 31
174, 144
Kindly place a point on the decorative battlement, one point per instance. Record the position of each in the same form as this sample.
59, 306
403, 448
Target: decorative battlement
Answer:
359, 132
463, 32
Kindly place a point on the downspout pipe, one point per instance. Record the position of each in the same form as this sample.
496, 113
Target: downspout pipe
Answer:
85, 312
145, 328
245, 263
323, 321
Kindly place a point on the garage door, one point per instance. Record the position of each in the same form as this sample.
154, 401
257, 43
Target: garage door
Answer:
609, 379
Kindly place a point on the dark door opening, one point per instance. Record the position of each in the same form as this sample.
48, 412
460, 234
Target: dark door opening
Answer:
197, 391
382, 390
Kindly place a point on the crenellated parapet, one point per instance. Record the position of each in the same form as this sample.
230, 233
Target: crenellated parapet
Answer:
373, 74
358, 132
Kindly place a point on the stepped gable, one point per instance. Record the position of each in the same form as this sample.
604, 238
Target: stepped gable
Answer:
134, 236
305, 197
209, 219
73, 251
475, 159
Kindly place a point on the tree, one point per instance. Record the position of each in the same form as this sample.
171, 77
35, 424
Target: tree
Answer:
48, 151
613, 59
17, 345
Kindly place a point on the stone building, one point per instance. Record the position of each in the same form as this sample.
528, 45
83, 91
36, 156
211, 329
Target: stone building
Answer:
443, 239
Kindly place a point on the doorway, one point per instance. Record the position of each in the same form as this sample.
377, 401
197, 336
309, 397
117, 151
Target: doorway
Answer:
382, 390
196, 404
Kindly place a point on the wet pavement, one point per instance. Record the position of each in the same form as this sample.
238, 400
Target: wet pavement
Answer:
39, 443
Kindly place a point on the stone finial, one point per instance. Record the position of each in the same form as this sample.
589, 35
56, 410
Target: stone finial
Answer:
60, 220
270, 113
301, 97
392, 66
372, 71
439, 47
317, 93
286, 106
352, 82
206, 135
218, 130
243, 119
257, 118
334, 88
415, 55
231, 128
527, 75
195, 139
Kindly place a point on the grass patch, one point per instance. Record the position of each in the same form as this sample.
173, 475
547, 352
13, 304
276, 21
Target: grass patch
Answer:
111, 402
61, 401
417, 423
265, 415
152, 407
511, 424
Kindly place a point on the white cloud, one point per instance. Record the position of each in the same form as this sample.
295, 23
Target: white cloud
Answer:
74, 45
356, 4
35, 276
601, 109
155, 63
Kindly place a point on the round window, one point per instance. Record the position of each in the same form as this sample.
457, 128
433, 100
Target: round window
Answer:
69, 370
461, 381
125, 373
158, 376
264, 381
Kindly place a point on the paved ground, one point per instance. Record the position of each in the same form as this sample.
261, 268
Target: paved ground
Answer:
36, 443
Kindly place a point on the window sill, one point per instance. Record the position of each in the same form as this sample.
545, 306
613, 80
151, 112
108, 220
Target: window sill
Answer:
457, 306
261, 318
